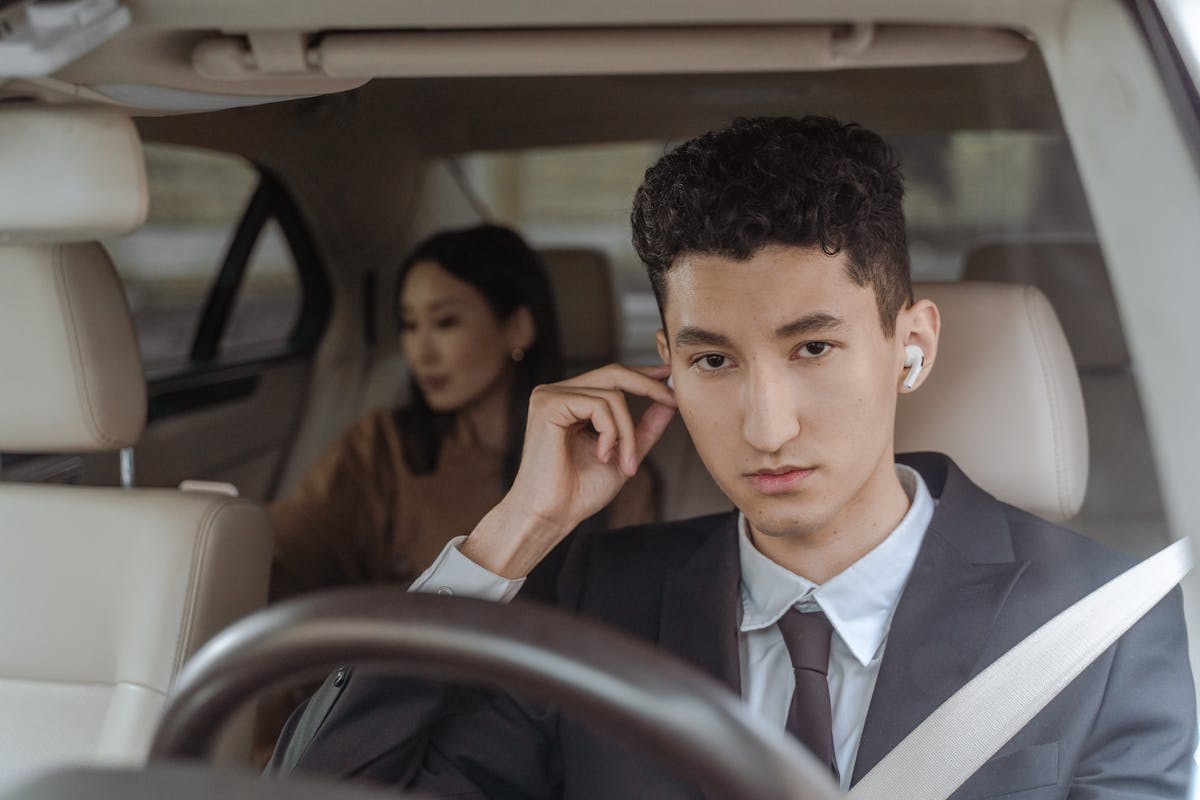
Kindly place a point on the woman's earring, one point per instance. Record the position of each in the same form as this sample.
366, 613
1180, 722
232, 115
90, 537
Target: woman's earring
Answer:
518, 355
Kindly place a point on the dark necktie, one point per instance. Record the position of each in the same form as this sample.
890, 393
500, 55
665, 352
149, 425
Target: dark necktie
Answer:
810, 719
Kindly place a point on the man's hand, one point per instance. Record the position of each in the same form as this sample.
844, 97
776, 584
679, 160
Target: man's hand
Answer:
581, 445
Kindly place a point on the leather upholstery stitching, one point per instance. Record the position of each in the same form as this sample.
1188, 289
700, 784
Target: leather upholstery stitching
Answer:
83, 383
79, 684
200, 548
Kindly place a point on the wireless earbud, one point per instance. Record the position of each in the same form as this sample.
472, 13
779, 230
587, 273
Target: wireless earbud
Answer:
670, 383
914, 360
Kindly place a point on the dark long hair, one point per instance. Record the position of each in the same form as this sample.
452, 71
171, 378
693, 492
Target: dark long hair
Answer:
509, 275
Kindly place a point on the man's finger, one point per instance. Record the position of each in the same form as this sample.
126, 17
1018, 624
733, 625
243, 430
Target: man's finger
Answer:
626, 431
576, 407
643, 381
651, 427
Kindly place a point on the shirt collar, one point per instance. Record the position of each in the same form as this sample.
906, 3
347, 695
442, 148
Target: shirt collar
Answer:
859, 601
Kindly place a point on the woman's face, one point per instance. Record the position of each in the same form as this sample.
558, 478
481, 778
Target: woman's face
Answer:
457, 350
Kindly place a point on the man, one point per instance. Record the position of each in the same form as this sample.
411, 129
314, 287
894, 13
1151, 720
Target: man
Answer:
776, 249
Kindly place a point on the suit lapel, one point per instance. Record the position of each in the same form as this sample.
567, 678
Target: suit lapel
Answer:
962, 577
701, 603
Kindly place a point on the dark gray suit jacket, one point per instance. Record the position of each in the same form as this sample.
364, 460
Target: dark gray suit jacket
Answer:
987, 574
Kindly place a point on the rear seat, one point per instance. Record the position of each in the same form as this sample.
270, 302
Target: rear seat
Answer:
590, 321
1123, 506
586, 301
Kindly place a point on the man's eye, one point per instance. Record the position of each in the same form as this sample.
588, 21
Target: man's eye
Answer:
711, 362
446, 322
815, 349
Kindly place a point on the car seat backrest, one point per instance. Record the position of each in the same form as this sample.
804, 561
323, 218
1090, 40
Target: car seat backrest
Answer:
81, 387
1123, 504
1073, 277
1003, 397
104, 592
584, 297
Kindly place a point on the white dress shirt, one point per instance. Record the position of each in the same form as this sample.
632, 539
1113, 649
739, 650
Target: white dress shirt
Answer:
859, 603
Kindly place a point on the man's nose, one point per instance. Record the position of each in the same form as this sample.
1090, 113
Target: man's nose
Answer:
769, 414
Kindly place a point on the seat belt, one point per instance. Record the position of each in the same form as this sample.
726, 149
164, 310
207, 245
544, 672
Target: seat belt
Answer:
978, 719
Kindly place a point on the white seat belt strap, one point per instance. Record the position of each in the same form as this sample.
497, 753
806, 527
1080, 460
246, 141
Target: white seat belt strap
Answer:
974, 723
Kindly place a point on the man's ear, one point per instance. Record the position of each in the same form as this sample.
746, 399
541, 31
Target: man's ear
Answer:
664, 349
519, 329
919, 324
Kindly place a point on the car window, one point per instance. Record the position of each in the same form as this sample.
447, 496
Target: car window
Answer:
213, 277
168, 265
268, 303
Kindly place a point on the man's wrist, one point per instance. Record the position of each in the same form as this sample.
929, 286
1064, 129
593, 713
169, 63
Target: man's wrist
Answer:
510, 542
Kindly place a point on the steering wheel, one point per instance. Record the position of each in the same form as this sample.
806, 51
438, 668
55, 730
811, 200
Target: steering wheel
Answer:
682, 717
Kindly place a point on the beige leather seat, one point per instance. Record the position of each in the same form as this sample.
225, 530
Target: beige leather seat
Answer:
589, 320
1003, 399
104, 592
1123, 505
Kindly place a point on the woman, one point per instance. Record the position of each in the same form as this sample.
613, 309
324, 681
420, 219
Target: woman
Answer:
478, 333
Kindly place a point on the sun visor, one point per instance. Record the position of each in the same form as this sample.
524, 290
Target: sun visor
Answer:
69, 174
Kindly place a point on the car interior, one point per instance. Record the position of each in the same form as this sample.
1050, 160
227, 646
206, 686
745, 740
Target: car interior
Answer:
204, 214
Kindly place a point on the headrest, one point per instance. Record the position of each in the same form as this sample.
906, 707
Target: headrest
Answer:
1003, 399
1074, 279
70, 174
68, 353
586, 303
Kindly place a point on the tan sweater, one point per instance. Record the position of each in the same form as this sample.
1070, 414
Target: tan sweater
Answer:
360, 516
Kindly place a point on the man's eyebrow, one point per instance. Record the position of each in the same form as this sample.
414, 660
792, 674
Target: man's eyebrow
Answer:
817, 322
691, 336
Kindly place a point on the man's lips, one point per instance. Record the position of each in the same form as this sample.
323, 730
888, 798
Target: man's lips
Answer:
778, 480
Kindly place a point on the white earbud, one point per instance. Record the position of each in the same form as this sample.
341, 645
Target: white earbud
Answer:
914, 359
670, 383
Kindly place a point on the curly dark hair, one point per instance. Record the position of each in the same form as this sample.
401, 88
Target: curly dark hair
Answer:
809, 182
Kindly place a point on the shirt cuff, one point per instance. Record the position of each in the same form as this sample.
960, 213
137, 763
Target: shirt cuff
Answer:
452, 573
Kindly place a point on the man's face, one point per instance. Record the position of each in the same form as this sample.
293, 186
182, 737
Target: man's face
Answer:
786, 383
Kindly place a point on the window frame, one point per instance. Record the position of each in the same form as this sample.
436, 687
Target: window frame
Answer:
206, 380
269, 201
